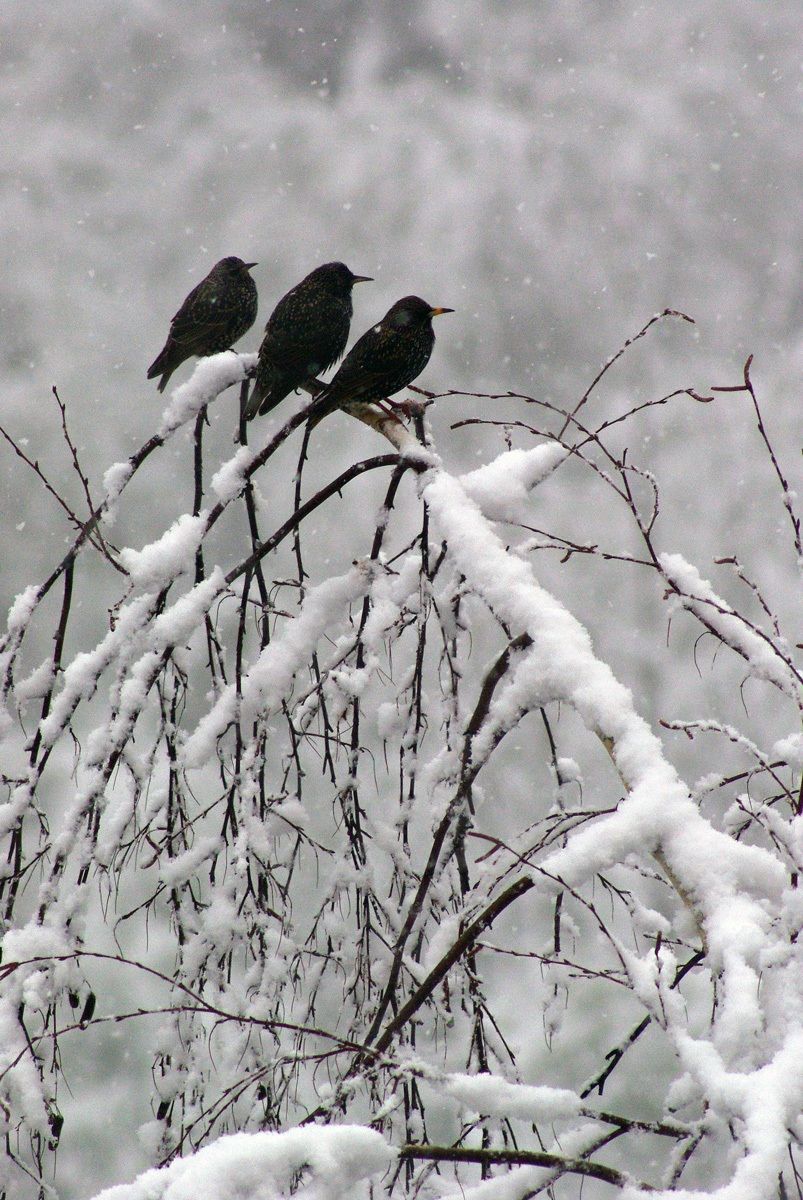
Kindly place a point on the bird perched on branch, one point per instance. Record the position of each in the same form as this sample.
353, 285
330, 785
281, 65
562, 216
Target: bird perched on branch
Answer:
214, 316
306, 334
385, 359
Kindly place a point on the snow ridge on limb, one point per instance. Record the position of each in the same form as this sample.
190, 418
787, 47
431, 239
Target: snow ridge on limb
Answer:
561, 666
335, 1163
323, 901
764, 657
271, 678
737, 903
210, 377
501, 488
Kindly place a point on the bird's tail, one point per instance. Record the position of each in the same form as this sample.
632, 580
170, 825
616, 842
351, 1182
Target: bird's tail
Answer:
260, 401
252, 405
161, 365
270, 388
320, 407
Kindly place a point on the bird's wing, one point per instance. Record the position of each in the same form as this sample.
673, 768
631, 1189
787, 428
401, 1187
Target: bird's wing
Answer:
287, 352
295, 336
368, 366
199, 315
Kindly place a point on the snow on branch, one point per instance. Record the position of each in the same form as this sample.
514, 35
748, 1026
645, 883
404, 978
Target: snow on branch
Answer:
269, 681
313, 1164
766, 658
211, 376
392, 852
501, 489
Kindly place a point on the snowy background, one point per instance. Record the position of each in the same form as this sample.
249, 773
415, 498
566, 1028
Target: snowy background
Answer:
555, 173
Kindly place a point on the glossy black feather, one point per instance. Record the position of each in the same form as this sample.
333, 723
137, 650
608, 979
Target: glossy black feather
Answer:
216, 313
305, 335
386, 358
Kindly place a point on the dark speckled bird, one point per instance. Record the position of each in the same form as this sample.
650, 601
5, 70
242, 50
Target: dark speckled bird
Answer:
213, 317
306, 334
385, 359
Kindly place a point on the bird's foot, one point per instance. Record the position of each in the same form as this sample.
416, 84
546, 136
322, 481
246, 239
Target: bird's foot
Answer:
411, 406
390, 408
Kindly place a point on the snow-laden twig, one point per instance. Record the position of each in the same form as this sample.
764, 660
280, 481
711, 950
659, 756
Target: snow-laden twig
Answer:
326, 787
765, 657
312, 1164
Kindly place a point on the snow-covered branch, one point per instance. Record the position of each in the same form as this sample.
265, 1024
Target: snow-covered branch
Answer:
394, 826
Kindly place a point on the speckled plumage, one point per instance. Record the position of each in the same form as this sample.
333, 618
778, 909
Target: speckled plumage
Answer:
386, 358
216, 313
305, 335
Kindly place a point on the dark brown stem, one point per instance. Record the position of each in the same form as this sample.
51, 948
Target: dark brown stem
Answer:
668, 312
747, 386
198, 485
456, 952
615, 1056
368, 464
524, 1158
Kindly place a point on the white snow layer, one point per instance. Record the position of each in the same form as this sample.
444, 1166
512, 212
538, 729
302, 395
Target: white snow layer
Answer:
115, 479
493, 1096
271, 677
561, 666
229, 480
699, 597
211, 376
501, 489
735, 891
317, 1163
158, 563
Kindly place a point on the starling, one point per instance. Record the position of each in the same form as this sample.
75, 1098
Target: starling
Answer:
385, 359
307, 333
215, 315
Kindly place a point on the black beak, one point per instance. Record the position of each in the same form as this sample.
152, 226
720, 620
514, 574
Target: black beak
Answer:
248, 266
362, 279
